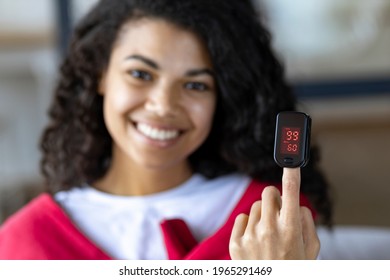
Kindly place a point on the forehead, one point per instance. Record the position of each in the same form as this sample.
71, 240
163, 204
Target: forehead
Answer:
161, 40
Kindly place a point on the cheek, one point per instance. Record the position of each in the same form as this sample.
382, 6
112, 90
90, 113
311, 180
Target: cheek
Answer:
120, 101
117, 104
203, 114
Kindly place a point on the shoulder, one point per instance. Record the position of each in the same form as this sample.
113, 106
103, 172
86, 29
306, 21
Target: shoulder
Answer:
20, 232
30, 214
42, 230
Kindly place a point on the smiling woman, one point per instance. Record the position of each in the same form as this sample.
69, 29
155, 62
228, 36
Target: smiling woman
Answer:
159, 102
160, 143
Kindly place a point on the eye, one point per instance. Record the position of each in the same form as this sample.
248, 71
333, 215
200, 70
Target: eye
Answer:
196, 86
139, 74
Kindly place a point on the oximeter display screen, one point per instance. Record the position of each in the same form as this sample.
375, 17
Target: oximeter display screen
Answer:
290, 140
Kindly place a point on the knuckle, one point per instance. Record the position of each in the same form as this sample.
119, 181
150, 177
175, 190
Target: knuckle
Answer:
288, 183
306, 214
235, 246
305, 211
241, 219
241, 216
235, 250
248, 238
290, 232
270, 191
256, 206
266, 233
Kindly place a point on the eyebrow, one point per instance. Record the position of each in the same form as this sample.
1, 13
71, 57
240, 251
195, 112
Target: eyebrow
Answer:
145, 60
197, 72
153, 64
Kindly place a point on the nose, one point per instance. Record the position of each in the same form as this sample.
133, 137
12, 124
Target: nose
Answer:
163, 101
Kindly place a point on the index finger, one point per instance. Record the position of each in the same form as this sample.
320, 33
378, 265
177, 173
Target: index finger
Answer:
291, 182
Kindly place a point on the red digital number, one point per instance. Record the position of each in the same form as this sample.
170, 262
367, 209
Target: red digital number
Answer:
290, 140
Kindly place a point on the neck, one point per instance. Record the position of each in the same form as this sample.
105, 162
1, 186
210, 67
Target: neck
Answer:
124, 177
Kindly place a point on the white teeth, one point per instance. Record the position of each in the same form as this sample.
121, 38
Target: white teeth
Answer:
157, 134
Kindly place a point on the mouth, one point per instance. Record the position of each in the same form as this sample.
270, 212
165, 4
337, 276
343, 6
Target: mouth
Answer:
157, 133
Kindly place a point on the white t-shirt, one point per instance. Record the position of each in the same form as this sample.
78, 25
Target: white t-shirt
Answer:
128, 227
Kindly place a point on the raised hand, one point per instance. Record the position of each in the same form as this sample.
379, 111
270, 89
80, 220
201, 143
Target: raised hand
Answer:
277, 226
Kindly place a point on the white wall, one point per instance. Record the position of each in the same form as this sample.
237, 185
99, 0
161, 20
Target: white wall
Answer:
26, 81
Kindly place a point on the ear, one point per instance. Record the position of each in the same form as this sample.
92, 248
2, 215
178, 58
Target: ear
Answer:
102, 84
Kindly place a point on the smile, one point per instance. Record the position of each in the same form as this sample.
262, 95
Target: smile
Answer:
157, 133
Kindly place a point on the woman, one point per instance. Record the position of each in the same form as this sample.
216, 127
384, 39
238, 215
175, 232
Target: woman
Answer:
160, 143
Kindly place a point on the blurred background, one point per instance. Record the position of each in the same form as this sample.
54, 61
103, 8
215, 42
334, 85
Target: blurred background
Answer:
337, 57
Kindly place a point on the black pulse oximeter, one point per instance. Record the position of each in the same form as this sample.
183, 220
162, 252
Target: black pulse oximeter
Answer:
292, 139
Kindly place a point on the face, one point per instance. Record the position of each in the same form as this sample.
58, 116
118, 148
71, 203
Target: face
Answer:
159, 94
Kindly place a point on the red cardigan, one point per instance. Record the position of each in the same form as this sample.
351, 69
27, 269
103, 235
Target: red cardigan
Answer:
42, 230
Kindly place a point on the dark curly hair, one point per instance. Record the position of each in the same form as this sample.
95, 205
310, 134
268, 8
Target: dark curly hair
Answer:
251, 91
